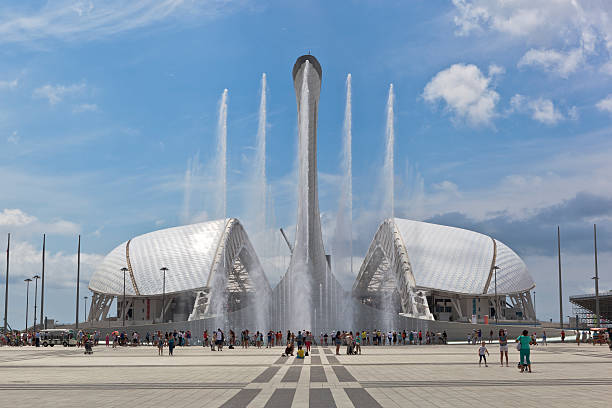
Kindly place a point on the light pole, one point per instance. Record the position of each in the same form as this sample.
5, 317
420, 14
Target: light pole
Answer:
596, 277
124, 270
27, 281
495, 268
36, 278
535, 315
164, 269
85, 311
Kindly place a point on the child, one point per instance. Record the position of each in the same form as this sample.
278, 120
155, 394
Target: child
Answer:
481, 353
300, 352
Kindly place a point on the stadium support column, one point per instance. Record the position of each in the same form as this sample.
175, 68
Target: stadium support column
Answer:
560, 282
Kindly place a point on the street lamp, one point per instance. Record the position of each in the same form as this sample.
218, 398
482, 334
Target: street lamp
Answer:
164, 269
535, 315
495, 268
36, 278
85, 311
124, 270
27, 281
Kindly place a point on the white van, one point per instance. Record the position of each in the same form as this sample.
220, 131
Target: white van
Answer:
51, 337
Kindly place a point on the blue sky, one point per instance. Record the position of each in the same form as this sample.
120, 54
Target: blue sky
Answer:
502, 121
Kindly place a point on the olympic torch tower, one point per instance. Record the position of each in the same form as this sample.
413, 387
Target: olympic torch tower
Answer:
307, 295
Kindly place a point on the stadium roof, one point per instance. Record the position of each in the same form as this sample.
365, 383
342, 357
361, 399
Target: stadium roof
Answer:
190, 253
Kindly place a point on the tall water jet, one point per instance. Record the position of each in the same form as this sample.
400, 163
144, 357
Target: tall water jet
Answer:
192, 174
260, 160
388, 170
387, 289
342, 247
221, 161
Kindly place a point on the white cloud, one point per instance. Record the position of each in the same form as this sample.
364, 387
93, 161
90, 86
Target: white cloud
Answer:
9, 84
13, 138
15, 218
18, 221
55, 93
85, 107
466, 92
61, 267
70, 20
572, 113
541, 109
605, 105
566, 32
496, 70
563, 63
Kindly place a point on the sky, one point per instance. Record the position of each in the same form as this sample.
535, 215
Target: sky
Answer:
502, 124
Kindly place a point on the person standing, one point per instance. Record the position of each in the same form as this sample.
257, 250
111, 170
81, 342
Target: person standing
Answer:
338, 342
562, 336
491, 336
544, 338
503, 347
525, 341
160, 346
171, 344
481, 353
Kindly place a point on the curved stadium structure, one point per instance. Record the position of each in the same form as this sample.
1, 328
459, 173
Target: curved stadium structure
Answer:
212, 267
431, 271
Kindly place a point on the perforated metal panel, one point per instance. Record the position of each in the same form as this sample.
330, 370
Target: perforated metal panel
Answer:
512, 277
187, 251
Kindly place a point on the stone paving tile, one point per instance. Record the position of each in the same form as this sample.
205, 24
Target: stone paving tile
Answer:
241, 399
321, 398
281, 398
292, 374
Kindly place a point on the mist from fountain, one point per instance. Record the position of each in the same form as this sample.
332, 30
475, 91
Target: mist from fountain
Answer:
388, 167
342, 243
221, 159
388, 206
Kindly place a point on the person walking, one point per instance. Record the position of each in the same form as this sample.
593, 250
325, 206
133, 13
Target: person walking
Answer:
481, 353
562, 336
525, 341
544, 338
503, 347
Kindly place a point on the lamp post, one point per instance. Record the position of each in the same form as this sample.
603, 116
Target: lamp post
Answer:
495, 268
164, 269
124, 270
27, 281
535, 314
596, 277
85, 311
36, 278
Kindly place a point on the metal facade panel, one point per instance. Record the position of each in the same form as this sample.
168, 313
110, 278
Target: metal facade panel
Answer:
108, 278
513, 276
447, 258
187, 251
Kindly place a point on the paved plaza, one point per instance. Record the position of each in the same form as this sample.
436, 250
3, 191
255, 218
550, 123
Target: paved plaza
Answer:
399, 376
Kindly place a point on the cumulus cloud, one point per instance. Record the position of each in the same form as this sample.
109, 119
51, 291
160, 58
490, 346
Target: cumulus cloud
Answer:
9, 84
566, 32
605, 105
563, 63
541, 109
55, 93
13, 138
85, 107
466, 92
17, 221
70, 20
